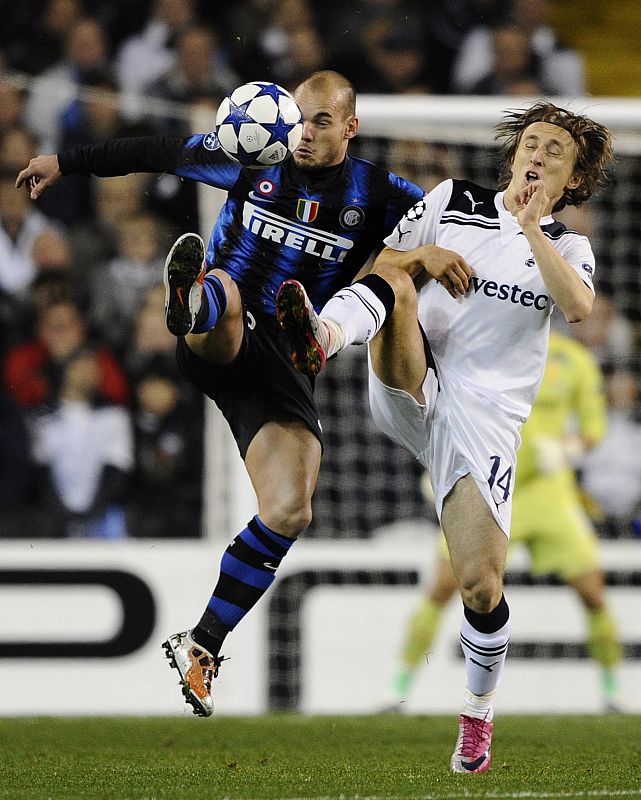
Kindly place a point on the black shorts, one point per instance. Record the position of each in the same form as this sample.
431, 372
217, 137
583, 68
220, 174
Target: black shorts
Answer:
261, 385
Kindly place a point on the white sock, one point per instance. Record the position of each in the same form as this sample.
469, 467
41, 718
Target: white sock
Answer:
336, 337
358, 312
479, 706
484, 656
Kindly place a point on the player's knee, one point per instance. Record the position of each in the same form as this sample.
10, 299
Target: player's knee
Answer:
481, 592
289, 518
401, 283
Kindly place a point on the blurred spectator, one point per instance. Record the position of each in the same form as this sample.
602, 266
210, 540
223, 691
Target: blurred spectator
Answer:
54, 90
246, 25
17, 147
44, 46
400, 64
345, 27
303, 55
11, 105
611, 473
84, 450
16, 470
94, 240
607, 333
96, 116
151, 341
166, 486
559, 70
34, 370
199, 75
512, 62
262, 32
20, 226
17, 318
388, 57
118, 288
35, 251
424, 163
144, 57
53, 282
447, 25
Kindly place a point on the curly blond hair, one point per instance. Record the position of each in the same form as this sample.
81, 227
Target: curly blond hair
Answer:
593, 142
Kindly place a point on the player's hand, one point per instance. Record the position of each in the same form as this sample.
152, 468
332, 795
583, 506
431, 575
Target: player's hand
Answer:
448, 268
531, 203
41, 173
550, 455
554, 454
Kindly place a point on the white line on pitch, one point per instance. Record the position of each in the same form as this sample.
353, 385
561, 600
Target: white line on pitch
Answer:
525, 795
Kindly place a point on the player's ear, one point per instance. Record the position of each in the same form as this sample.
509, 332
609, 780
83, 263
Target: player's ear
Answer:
351, 127
574, 182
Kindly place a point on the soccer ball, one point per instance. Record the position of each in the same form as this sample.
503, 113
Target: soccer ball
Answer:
259, 125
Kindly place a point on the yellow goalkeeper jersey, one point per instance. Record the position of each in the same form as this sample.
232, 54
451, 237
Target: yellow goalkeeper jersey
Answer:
570, 399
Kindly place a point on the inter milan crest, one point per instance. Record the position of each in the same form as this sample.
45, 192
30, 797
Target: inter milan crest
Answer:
351, 217
210, 142
307, 210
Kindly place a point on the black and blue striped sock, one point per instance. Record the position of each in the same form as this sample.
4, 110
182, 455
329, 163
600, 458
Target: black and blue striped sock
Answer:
212, 305
247, 569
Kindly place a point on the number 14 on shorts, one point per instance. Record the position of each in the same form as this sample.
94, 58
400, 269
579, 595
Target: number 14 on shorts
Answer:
502, 479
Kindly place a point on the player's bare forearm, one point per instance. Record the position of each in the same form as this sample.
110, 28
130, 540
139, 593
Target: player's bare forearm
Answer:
445, 266
41, 172
567, 289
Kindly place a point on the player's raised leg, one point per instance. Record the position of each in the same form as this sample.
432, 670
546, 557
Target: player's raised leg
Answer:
194, 301
354, 315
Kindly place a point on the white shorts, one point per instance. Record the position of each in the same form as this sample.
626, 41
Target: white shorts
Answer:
455, 433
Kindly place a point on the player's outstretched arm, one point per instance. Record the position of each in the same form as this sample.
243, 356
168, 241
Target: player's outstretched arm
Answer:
113, 157
42, 172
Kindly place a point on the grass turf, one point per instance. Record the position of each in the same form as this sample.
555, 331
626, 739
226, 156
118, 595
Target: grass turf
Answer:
290, 756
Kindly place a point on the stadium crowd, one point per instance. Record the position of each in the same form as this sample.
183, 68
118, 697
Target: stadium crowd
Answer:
101, 435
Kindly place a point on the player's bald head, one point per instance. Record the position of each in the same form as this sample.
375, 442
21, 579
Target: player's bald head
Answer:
328, 82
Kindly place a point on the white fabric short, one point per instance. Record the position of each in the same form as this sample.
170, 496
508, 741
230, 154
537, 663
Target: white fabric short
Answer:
455, 433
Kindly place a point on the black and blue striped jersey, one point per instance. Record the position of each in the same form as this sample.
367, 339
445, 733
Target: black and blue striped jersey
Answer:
319, 227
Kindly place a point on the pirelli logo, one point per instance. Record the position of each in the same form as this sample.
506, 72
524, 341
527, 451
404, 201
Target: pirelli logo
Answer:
282, 231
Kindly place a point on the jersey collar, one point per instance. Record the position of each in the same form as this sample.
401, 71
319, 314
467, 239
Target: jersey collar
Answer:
319, 177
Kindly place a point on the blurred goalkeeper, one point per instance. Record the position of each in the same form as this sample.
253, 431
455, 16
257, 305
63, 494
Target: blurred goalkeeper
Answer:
568, 418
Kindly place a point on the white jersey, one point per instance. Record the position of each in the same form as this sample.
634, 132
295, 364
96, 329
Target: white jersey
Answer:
494, 339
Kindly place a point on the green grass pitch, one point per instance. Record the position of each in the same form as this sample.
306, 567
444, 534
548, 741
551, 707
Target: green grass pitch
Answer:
291, 756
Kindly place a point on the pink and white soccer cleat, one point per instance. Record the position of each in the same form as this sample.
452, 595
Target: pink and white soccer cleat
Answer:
472, 751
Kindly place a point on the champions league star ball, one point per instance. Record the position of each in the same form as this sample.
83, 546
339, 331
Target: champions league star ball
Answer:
259, 125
